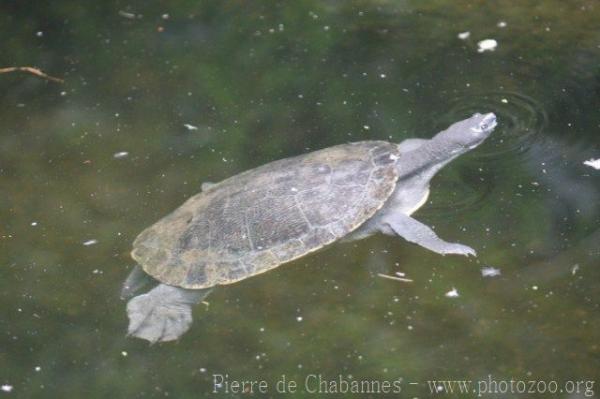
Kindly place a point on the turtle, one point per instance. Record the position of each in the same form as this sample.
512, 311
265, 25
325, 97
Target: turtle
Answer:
257, 220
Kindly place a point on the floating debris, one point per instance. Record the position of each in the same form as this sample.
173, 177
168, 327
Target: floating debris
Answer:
33, 71
34, 223
6, 388
574, 269
124, 353
90, 242
490, 271
190, 127
464, 35
501, 24
594, 163
120, 154
487, 45
453, 293
403, 279
127, 15
299, 318
504, 101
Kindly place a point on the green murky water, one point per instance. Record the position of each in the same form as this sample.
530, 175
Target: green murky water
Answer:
160, 98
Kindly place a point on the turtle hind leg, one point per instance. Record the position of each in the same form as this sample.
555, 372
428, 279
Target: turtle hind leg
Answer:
136, 280
163, 313
416, 232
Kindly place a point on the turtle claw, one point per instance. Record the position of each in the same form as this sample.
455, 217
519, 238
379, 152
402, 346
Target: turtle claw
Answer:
459, 249
156, 322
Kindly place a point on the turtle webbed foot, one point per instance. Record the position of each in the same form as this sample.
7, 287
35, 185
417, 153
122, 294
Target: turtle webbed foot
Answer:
414, 231
457, 249
155, 320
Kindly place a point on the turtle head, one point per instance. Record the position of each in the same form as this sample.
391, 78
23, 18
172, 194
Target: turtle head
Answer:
467, 134
432, 155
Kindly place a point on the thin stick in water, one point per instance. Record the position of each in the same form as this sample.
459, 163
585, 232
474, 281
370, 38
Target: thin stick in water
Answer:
33, 71
405, 280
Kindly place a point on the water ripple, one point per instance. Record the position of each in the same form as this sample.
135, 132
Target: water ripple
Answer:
521, 121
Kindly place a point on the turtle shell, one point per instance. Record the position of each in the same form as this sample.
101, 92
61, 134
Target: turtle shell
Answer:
262, 218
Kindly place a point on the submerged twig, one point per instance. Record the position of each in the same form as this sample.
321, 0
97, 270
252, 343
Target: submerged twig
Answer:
406, 280
33, 71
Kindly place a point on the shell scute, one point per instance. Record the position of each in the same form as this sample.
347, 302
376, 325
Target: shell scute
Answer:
259, 219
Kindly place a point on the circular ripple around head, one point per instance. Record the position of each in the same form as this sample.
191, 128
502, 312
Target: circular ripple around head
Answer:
521, 121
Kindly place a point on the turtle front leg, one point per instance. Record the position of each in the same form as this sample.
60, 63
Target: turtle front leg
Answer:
163, 313
416, 232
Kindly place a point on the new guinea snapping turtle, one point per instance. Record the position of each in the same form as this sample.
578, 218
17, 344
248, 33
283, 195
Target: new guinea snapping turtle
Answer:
255, 221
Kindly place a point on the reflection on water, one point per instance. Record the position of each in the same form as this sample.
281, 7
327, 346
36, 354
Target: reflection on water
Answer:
153, 106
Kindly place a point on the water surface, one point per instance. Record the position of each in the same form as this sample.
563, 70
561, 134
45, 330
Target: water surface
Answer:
158, 99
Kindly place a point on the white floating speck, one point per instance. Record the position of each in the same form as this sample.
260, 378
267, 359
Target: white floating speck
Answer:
124, 354
34, 223
382, 75
535, 287
120, 154
202, 370
190, 127
90, 242
299, 318
39, 33
594, 163
126, 14
464, 35
6, 388
453, 293
294, 189
574, 269
38, 368
487, 45
501, 24
393, 157
504, 100
366, 127
490, 271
